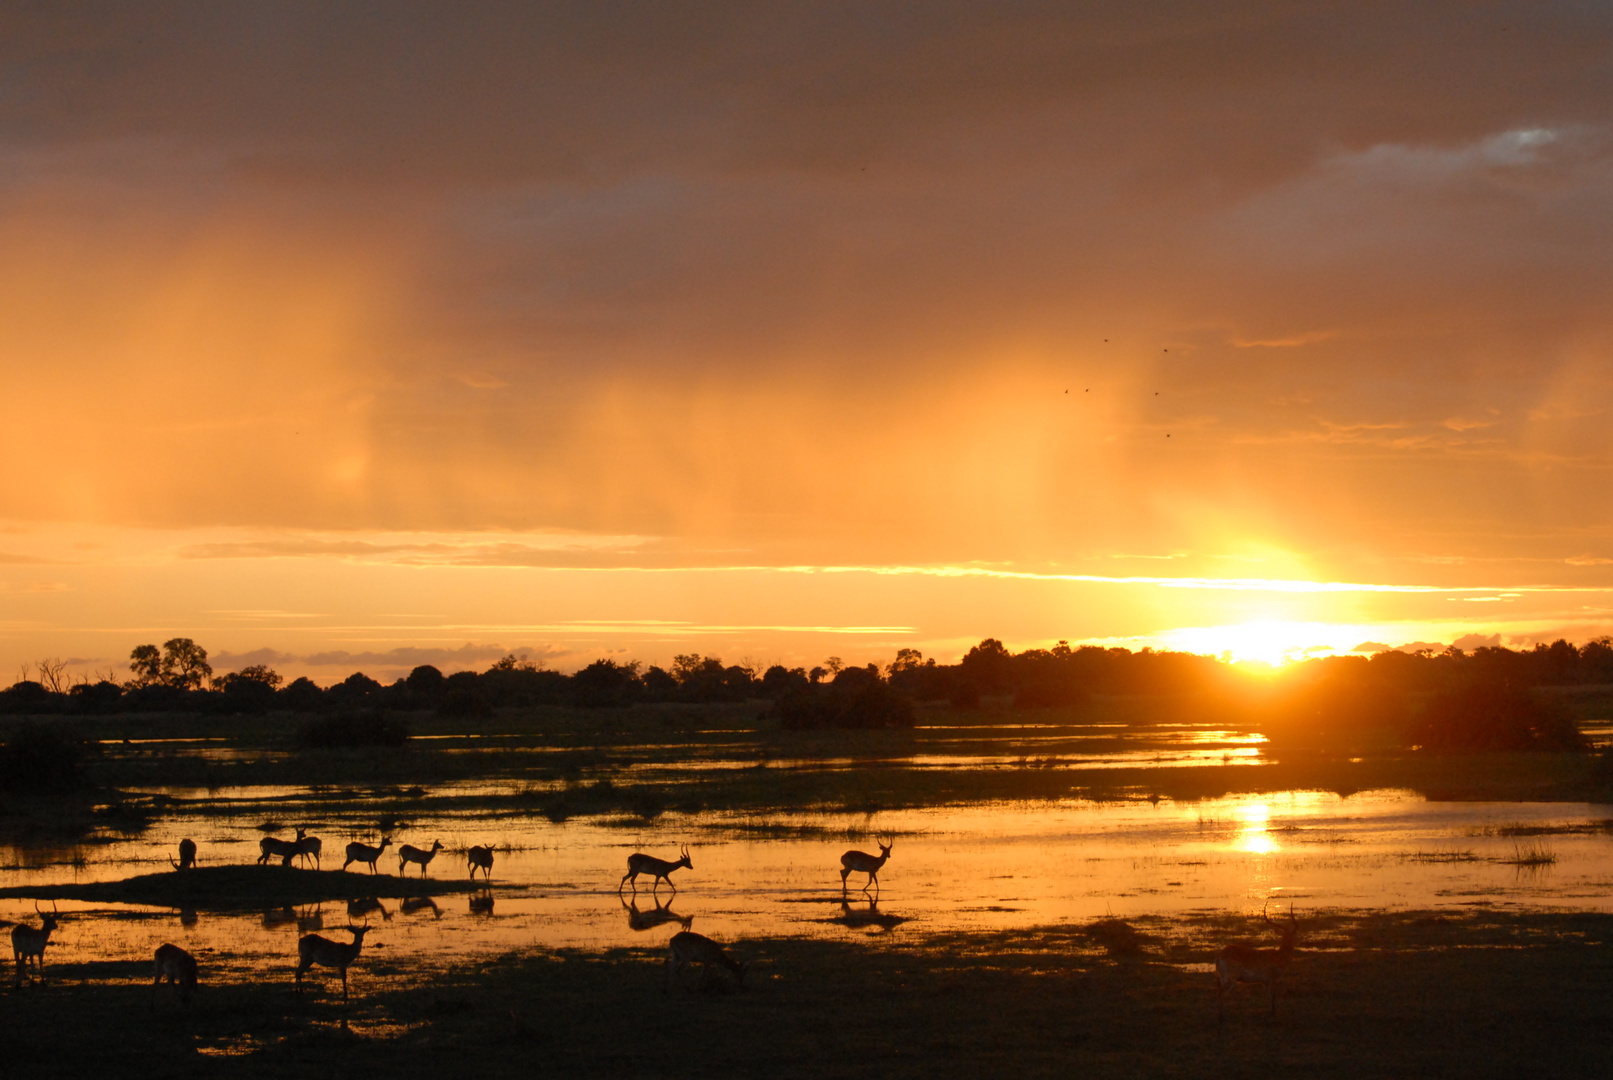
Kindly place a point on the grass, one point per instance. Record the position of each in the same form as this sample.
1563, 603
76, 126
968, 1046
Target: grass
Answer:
1482, 995
1533, 853
239, 887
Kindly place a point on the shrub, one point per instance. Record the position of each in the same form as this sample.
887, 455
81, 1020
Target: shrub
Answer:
861, 703
1489, 717
41, 759
369, 728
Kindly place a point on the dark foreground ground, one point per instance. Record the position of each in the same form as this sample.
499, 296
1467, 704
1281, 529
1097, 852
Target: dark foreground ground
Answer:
1481, 995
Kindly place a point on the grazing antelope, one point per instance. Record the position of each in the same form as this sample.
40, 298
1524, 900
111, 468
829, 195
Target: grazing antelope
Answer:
640, 863
688, 947
187, 855
1242, 962
313, 949
480, 858
309, 845
357, 909
663, 913
408, 853
863, 863
284, 850
364, 853
179, 968
26, 941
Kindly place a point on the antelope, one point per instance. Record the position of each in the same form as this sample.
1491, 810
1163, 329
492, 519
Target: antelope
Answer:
285, 850
187, 855
26, 941
863, 863
357, 852
1241, 962
313, 949
639, 863
310, 845
643, 920
179, 968
480, 858
688, 947
408, 853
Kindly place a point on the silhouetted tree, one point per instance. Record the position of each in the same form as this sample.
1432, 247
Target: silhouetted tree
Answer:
303, 695
426, 681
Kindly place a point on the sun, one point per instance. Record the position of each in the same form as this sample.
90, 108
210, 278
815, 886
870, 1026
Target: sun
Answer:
1273, 642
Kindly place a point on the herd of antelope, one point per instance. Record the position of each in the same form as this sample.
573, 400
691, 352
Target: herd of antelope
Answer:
1239, 962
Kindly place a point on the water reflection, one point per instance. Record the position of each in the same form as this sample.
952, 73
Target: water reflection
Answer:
661, 914
416, 904
357, 909
858, 919
978, 867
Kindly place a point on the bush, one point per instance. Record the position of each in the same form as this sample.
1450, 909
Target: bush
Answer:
1481, 717
863, 703
29, 698
41, 759
371, 728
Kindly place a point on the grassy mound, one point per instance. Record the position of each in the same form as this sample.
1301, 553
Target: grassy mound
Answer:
240, 887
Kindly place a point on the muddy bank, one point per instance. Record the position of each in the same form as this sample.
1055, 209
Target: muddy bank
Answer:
240, 888
1423, 993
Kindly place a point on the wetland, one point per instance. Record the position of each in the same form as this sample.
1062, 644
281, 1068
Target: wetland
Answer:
1059, 884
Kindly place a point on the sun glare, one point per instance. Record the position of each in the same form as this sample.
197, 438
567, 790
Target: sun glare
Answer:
1270, 642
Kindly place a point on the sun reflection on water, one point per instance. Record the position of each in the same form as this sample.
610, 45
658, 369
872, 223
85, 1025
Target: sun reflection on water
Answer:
1252, 835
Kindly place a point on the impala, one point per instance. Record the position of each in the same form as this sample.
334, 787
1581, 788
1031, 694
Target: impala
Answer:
26, 941
480, 858
643, 920
364, 853
179, 968
688, 947
284, 850
309, 845
640, 863
187, 855
410, 854
1242, 962
313, 949
863, 863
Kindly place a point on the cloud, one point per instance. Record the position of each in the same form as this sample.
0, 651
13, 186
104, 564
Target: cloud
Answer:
1468, 642
1419, 646
1373, 647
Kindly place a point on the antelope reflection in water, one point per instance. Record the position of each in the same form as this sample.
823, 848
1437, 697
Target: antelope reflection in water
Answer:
188, 917
415, 904
357, 909
857, 919
306, 918
481, 903
660, 915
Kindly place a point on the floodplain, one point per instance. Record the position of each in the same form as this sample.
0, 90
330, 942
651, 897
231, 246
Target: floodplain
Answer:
1058, 886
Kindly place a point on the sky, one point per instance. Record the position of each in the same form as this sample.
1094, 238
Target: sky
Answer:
347, 336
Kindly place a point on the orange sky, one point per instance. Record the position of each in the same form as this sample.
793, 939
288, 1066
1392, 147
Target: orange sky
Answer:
330, 331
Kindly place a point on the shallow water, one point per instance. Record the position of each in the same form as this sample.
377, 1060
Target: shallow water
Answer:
952, 869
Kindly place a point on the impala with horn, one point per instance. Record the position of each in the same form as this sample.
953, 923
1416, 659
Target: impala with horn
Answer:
309, 846
313, 949
27, 942
1242, 962
639, 863
860, 862
187, 855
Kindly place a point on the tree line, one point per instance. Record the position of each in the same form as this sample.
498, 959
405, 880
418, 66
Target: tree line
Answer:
1441, 691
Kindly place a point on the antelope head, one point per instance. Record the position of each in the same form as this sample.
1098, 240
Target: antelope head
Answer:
885, 848
48, 920
683, 851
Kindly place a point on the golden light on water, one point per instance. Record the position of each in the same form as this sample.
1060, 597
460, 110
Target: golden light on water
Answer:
1252, 835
